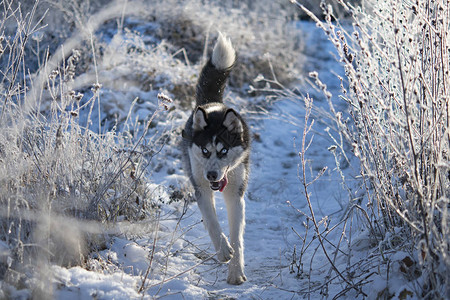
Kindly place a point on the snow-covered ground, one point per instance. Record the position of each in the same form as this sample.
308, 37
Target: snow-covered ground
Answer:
171, 256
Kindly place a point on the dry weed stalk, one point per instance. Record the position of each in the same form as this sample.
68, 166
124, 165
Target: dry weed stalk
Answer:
321, 236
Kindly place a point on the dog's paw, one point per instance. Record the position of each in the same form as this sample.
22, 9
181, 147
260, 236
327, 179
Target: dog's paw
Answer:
226, 252
236, 277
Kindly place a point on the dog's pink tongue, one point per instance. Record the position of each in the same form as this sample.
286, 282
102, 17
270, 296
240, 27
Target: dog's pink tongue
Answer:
223, 183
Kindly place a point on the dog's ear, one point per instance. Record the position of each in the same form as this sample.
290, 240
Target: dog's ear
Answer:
232, 122
199, 119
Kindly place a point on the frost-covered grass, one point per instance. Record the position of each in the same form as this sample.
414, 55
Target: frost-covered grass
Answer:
63, 178
396, 86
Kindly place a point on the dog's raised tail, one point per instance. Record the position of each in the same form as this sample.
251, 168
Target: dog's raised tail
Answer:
223, 56
215, 72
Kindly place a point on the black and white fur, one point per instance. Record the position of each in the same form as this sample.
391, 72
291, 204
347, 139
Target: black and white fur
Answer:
216, 150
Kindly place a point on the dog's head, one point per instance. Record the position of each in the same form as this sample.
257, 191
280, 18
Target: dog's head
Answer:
219, 142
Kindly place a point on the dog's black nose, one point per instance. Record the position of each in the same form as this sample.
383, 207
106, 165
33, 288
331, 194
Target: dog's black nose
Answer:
211, 175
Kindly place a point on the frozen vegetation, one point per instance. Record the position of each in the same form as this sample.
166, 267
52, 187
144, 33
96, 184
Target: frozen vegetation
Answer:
350, 167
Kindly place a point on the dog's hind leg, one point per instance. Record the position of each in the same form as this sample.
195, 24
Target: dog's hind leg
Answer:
205, 201
235, 203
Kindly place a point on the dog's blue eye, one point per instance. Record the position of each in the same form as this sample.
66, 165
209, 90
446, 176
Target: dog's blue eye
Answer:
205, 151
224, 151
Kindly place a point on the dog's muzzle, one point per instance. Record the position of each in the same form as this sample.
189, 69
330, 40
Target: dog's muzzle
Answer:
219, 185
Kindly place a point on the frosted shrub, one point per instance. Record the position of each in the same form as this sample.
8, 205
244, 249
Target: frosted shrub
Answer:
61, 182
397, 88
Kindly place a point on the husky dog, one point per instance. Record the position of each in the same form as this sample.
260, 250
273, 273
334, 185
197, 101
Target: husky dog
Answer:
216, 150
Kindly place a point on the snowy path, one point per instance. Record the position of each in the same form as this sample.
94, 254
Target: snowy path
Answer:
181, 266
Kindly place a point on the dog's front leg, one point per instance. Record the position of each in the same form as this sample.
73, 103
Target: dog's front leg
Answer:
236, 220
205, 200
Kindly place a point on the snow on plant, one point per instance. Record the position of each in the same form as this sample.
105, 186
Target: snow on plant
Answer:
397, 89
60, 181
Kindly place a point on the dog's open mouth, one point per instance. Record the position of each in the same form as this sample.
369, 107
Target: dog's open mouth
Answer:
219, 185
